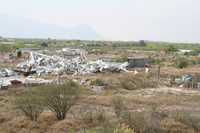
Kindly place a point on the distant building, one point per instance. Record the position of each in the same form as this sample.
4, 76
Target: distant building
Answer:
183, 51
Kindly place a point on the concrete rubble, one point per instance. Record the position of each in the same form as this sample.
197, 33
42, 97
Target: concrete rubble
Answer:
44, 64
183, 79
20, 80
6, 73
40, 65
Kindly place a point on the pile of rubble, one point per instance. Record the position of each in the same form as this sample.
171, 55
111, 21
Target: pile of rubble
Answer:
6, 73
40, 64
44, 64
20, 80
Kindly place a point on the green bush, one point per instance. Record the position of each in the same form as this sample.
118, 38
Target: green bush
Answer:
94, 116
171, 48
98, 82
143, 122
139, 81
182, 63
189, 120
6, 48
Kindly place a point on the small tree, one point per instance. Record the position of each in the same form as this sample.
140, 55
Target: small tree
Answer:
171, 48
30, 105
60, 98
142, 43
44, 44
181, 63
19, 53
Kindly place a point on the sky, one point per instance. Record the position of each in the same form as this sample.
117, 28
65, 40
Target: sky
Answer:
156, 20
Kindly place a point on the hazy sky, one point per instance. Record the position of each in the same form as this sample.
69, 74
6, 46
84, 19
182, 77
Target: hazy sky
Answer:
164, 20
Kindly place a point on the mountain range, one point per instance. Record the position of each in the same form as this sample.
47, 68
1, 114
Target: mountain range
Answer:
18, 27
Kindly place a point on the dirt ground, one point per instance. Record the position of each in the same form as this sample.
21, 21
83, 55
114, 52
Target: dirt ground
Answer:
163, 99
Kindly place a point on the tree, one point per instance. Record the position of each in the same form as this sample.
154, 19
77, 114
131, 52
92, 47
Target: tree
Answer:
60, 98
44, 44
30, 105
142, 43
19, 53
57, 98
181, 63
171, 48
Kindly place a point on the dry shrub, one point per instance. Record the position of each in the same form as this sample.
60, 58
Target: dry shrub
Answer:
57, 98
123, 129
98, 82
192, 121
21, 125
139, 81
143, 122
172, 126
5, 117
118, 129
60, 98
30, 105
182, 63
134, 120
93, 116
46, 120
65, 126
118, 105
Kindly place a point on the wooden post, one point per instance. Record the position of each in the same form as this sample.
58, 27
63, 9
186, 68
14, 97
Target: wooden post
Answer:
158, 76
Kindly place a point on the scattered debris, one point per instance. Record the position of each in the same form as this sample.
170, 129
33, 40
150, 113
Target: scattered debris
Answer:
97, 89
30, 81
3, 86
20, 80
6, 73
41, 64
44, 64
183, 79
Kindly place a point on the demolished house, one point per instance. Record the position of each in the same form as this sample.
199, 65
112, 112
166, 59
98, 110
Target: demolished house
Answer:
44, 64
40, 65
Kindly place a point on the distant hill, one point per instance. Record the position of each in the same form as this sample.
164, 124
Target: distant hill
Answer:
12, 26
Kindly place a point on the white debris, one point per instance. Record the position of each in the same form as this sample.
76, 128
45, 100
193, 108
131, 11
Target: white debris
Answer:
6, 72
7, 81
44, 64
101, 66
31, 80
